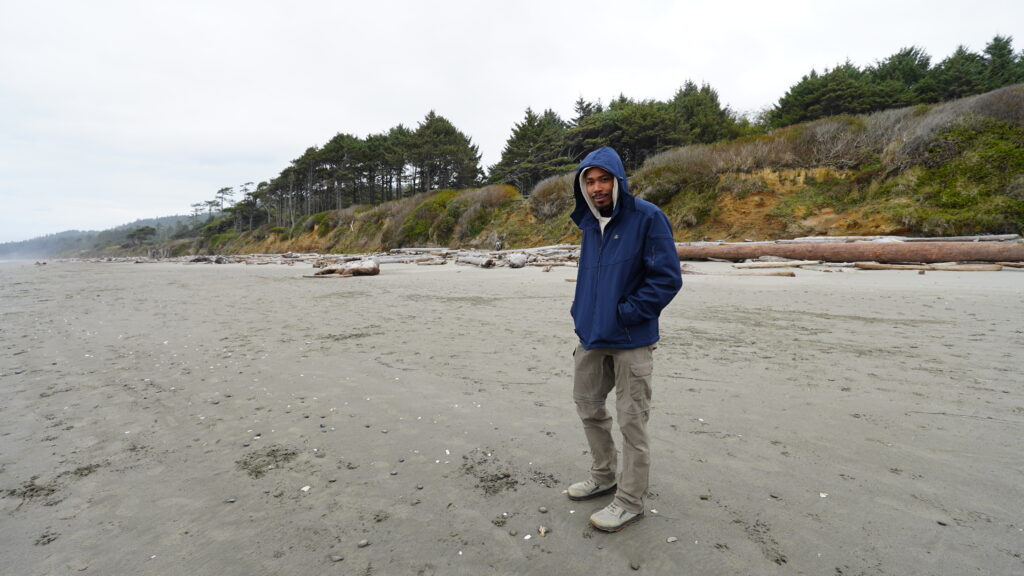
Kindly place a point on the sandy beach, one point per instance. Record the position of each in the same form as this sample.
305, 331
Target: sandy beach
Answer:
236, 419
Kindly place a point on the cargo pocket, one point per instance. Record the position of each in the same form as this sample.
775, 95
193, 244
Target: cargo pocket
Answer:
639, 388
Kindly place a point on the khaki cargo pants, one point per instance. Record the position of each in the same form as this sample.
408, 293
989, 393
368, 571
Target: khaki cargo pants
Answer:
628, 372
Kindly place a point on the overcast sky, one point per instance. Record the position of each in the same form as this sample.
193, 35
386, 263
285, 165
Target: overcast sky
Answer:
111, 111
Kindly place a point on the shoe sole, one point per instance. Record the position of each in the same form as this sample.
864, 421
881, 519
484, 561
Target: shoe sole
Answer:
608, 490
620, 526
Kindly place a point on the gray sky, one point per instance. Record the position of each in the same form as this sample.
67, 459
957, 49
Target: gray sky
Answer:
112, 111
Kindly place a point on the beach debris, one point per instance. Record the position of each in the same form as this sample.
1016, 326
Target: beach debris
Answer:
335, 558
230, 501
513, 532
823, 494
543, 530
783, 264
305, 488
888, 250
480, 261
947, 267
671, 539
367, 267
543, 509
781, 273
634, 564
517, 260
527, 537
363, 543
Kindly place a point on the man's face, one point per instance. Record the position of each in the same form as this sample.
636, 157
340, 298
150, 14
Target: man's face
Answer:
599, 185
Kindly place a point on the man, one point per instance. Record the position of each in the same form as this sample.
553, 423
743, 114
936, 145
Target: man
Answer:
628, 272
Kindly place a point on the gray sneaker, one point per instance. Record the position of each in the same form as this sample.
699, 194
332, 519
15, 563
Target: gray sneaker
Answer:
589, 489
613, 518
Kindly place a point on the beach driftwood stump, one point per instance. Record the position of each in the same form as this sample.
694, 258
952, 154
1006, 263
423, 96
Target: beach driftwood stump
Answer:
349, 269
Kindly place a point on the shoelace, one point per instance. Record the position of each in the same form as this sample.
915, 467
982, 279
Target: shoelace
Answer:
614, 510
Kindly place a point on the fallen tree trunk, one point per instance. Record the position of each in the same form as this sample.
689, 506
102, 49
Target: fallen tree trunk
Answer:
786, 264
877, 266
783, 273
946, 267
840, 239
886, 252
360, 268
480, 261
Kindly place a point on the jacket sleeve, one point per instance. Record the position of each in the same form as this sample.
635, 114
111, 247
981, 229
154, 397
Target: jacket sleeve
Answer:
662, 275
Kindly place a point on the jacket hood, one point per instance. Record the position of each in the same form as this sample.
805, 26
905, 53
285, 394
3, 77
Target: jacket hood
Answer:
607, 159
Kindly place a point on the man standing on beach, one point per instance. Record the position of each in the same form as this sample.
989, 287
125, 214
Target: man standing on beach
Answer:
628, 272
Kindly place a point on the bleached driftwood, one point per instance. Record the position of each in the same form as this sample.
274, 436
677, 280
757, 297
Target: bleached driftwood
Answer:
783, 264
784, 273
481, 261
400, 259
517, 260
549, 263
425, 250
877, 266
367, 267
945, 267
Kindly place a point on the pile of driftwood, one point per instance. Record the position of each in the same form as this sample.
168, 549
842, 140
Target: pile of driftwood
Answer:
345, 265
962, 253
965, 253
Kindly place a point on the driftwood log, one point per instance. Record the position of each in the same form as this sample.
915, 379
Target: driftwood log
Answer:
481, 261
347, 269
785, 264
884, 252
841, 239
517, 260
946, 267
783, 273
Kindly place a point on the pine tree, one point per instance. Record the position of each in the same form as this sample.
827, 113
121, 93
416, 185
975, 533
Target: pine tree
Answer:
534, 151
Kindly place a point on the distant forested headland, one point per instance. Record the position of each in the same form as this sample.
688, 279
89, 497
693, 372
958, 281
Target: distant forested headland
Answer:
901, 145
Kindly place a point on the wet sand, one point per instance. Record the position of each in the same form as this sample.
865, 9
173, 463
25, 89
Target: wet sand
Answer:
168, 419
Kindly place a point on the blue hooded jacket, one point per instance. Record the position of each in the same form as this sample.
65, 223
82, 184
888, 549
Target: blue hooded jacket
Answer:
628, 274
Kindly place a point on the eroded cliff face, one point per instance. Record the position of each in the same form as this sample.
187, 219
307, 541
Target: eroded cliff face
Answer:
771, 204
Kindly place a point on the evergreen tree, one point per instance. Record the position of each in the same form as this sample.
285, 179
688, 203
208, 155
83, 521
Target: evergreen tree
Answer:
534, 151
999, 64
959, 75
894, 78
584, 109
443, 156
702, 118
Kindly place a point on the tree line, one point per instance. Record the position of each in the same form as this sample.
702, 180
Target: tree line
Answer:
904, 79
403, 161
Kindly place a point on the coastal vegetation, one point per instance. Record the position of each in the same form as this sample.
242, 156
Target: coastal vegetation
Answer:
898, 146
